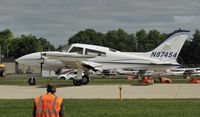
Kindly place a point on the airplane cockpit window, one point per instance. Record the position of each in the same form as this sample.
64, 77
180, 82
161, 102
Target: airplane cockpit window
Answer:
197, 69
77, 50
113, 50
66, 48
94, 52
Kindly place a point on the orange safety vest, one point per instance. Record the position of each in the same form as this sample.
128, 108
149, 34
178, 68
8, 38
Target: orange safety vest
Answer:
47, 105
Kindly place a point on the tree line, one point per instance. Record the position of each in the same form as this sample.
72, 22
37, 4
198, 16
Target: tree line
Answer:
141, 41
14, 47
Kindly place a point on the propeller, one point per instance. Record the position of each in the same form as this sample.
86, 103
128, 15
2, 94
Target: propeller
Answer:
41, 63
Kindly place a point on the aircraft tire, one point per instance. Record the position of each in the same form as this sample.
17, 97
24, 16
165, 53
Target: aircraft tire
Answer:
85, 79
62, 78
31, 81
77, 82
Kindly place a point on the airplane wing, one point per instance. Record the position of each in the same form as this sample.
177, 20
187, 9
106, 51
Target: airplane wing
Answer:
63, 56
91, 65
73, 59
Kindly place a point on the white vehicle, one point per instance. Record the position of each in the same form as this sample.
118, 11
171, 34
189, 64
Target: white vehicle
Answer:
126, 71
183, 72
175, 72
70, 75
85, 57
196, 72
132, 71
148, 73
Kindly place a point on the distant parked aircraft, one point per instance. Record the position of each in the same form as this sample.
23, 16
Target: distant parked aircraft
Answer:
182, 72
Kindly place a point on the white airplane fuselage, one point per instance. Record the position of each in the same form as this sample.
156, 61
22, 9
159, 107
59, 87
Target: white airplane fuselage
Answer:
113, 60
127, 60
85, 57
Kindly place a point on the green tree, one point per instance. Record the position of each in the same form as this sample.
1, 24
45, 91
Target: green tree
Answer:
5, 37
23, 45
88, 36
185, 56
44, 45
191, 51
119, 39
141, 37
28, 44
131, 43
60, 47
153, 39
149, 41
195, 44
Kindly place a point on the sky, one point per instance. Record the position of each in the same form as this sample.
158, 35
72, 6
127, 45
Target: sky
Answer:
58, 20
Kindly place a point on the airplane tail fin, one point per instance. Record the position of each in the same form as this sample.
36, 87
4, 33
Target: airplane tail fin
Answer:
169, 50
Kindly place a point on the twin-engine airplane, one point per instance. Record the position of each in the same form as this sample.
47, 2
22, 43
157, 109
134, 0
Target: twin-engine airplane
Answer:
85, 57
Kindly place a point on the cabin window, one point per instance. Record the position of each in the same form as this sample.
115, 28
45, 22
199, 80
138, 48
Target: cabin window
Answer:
66, 48
177, 70
94, 52
77, 50
197, 69
112, 50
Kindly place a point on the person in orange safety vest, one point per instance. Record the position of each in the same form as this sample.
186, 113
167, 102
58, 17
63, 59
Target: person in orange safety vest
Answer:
48, 105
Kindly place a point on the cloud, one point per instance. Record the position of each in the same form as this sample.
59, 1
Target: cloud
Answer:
187, 19
61, 19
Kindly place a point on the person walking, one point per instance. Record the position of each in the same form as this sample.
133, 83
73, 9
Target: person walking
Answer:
48, 105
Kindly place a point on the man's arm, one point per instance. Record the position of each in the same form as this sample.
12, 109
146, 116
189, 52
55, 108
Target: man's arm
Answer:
62, 109
34, 110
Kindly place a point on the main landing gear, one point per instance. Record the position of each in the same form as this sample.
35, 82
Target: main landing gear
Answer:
77, 82
85, 80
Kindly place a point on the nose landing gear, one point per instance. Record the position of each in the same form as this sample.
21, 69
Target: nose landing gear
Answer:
32, 81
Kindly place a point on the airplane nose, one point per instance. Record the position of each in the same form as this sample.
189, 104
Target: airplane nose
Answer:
21, 59
26, 59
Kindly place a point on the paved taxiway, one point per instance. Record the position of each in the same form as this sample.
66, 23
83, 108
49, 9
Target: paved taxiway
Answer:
170, 91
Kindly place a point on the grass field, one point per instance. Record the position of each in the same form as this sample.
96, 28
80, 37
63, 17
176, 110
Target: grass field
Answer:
22, 80
110, 108
103, 108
